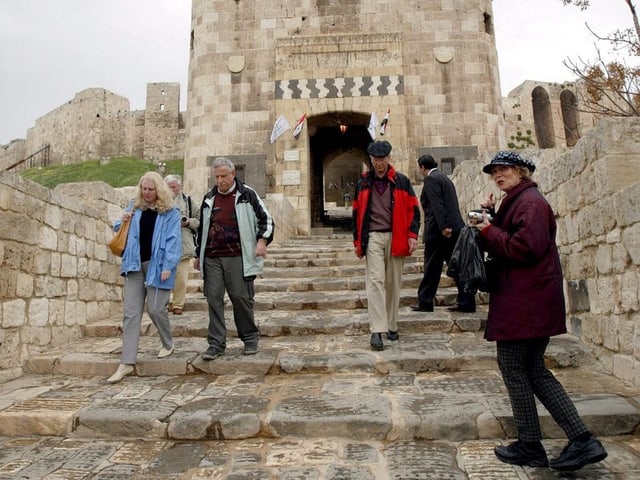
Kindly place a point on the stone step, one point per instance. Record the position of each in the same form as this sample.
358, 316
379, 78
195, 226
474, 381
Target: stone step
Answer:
318, 353
434, 387
346, 299
282, 323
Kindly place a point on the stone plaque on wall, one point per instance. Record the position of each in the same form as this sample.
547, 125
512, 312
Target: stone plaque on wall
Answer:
291, 177
291, 155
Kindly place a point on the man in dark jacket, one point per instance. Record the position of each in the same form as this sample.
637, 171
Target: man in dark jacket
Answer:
386, 221
442, 225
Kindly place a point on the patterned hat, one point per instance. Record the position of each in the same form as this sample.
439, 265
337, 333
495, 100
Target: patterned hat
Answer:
509, 158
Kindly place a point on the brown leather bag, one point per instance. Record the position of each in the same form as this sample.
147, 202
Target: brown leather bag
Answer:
119, 240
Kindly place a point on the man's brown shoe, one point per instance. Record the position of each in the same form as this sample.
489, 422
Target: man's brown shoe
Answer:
177, 311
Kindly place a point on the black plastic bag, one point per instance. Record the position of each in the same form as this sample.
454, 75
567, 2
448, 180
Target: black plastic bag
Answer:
466, 265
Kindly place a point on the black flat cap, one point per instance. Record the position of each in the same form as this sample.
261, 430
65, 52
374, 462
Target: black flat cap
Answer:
379, 148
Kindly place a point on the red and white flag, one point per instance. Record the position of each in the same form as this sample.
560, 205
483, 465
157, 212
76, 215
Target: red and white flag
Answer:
385, 121
298, 130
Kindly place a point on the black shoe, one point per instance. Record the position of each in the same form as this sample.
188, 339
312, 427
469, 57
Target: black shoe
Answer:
376, 342
579, 453
393, 336
459, 308
520, 453
422, 307
250, 348
212, 353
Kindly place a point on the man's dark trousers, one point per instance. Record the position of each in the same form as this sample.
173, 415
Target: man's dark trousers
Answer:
437, 251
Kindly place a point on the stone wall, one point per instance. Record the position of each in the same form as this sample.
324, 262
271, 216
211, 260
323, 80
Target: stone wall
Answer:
56, 272
12, 153
594, 188
546, 115
98, 123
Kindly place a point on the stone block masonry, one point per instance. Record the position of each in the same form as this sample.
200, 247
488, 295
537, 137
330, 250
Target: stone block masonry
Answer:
56, 272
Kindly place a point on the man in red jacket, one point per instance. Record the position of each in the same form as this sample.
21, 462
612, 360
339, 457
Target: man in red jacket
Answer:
386, 221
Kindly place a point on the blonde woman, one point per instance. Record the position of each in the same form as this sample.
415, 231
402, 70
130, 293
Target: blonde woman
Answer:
149, 261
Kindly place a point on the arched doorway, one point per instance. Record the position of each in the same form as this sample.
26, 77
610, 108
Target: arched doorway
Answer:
542, 118
338, 143
569, 106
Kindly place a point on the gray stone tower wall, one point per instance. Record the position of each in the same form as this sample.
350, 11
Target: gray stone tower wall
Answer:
162, 131
433, 64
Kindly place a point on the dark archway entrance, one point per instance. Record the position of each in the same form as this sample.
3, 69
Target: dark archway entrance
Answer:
542, 118
569, 106
338, 143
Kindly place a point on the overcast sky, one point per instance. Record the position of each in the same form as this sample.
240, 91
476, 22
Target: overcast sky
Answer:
52, 49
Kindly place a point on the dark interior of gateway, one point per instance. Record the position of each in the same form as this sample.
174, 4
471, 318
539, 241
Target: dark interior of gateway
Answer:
338, 143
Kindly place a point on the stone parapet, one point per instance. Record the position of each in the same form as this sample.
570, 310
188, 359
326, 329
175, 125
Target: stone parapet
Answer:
56, 271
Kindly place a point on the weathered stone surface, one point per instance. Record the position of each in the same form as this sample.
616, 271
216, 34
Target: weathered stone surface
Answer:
126, 417
228, 417
351, 416
40, 416
440, 417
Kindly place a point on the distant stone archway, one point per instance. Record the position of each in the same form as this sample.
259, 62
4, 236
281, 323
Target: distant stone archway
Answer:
569, 105
542, 118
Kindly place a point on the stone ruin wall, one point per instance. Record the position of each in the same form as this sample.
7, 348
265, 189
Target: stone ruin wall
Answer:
519, 117
98, 124
594, 188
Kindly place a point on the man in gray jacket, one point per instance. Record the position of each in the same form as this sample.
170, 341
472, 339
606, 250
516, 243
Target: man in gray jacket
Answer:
234, 232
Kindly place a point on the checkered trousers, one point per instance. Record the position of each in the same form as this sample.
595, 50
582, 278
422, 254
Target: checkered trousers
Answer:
522, 366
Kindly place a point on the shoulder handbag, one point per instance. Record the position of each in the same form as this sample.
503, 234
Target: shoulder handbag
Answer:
119, 240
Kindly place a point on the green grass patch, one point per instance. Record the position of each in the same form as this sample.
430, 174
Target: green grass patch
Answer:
118, 172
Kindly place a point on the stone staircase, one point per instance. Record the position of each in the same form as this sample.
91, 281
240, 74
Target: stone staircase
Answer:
314, 381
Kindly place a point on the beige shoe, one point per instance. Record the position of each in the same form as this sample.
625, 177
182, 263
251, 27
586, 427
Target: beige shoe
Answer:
123, 371
164, 352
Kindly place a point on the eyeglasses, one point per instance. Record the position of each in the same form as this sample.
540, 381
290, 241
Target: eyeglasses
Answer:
379, 159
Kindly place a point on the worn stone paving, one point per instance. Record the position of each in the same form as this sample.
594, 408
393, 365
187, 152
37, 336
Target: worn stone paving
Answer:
59, 458
315, 402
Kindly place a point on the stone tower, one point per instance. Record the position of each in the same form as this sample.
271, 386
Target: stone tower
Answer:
431, 64
162, 120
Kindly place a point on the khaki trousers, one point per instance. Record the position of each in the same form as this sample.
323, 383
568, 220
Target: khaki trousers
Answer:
383, 280
180, 287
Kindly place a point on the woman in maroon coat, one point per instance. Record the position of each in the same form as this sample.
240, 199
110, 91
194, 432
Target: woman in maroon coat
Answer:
526, 307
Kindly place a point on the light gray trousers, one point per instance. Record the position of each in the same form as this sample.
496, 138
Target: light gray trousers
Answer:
157, 299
